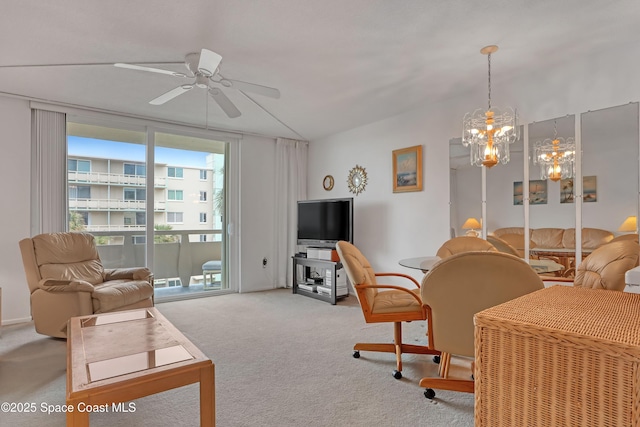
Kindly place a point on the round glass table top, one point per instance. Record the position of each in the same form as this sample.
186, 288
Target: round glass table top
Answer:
426, 263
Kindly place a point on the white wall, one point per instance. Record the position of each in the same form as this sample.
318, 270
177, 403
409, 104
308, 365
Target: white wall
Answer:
388, 226
15, 122
257, 195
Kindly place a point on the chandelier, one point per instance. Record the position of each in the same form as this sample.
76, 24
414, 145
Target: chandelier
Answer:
490, 132
556, 156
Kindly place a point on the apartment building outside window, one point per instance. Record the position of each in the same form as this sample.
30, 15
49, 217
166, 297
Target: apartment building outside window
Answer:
175, 217
173, 172
134, 169
135, 194
76, 165
79, 192
175, 195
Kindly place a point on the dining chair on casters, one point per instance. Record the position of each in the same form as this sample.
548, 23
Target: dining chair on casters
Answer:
458, 287
385, 303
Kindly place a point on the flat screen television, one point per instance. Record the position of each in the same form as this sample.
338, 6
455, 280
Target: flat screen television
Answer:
321, 223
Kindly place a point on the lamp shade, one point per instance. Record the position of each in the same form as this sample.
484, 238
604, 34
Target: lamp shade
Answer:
472, 223
629, 224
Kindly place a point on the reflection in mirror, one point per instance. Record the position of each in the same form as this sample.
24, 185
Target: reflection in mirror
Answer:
465, 180
504, 207
555, 208
610, 170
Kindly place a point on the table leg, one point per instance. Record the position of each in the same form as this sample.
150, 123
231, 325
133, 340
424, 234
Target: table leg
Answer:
77, 418
207, 397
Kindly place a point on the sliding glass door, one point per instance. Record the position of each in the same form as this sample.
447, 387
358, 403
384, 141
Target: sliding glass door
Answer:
151, 198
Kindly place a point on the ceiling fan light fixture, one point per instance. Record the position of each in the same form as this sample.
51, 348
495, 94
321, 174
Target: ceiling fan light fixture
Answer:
208, 62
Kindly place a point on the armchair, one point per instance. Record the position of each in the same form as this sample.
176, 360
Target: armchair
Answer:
385, 303
66, 279
460, 286
605, 267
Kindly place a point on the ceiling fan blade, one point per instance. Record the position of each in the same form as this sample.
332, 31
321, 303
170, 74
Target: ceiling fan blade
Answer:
251, 87
150, 69
224, 103
171, 94
209, 62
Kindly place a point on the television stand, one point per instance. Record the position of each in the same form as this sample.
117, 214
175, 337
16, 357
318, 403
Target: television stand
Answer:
329, 268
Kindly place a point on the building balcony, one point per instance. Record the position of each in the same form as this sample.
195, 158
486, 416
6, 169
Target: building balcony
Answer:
178, 254
113, 205
105, 178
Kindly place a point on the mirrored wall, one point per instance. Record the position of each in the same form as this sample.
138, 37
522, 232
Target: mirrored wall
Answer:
602, 194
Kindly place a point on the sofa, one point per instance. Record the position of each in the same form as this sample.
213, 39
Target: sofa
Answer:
554, 238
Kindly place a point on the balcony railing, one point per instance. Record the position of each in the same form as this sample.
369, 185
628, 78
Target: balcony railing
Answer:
113, 204
181, 258
112, 179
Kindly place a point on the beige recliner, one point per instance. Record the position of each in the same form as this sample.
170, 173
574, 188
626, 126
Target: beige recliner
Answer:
66, 279
456, 289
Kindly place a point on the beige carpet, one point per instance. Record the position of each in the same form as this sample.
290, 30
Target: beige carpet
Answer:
281, 360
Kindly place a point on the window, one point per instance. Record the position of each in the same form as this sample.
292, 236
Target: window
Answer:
175, 195
203, 196
203, 174
79, 165
135, 194
174, 218
203, 218
139, 240
203, 237
135, 218
174, 282
79, 192
175, 172
135, 169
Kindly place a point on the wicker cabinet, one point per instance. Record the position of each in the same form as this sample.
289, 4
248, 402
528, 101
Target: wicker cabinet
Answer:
561, 356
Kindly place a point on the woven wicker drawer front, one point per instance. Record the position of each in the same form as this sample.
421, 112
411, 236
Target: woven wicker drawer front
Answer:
561, 356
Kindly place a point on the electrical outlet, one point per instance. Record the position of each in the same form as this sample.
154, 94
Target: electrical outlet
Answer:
264, 262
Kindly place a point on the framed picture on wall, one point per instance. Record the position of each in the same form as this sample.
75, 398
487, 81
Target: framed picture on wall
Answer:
537, 192
589, 189
407, 169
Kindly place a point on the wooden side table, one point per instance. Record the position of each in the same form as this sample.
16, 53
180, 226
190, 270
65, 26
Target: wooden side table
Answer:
558, 357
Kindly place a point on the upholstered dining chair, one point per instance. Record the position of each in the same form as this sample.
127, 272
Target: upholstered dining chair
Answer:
605, 267
503, 245
455, 289
66, 279
464, 244
385, 303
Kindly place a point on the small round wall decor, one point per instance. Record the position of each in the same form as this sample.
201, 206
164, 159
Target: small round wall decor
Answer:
357, 180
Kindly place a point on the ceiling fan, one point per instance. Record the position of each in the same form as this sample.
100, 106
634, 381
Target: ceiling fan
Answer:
204, 68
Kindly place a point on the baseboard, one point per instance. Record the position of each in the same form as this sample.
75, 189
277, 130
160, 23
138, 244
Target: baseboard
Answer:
6, 322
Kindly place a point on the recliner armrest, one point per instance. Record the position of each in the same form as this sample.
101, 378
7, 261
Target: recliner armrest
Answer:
135, 273
58, 285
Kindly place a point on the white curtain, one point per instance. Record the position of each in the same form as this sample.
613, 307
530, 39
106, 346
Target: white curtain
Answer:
48, 171
291, 186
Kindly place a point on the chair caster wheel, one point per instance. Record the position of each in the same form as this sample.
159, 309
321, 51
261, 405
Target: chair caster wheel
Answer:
429, 393
436, 359
356, 354
397, 374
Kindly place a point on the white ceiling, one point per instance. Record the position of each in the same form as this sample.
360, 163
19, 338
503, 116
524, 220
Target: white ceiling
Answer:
338, 64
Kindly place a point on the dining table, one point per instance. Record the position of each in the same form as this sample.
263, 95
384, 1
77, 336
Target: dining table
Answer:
426, 263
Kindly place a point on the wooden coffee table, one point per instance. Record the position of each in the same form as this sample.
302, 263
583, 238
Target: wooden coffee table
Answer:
114, 358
